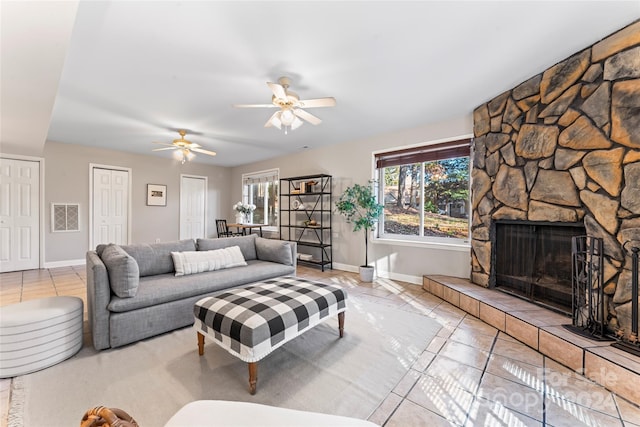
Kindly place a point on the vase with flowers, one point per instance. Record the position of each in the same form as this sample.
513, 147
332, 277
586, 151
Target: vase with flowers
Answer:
243, 212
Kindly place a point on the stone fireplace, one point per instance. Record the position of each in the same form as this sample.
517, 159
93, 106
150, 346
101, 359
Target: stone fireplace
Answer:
564, 147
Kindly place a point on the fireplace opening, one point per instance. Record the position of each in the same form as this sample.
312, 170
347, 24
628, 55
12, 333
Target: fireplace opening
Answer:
532, 260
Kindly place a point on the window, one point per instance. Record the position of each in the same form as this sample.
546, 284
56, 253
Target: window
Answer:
261, 189
425, 192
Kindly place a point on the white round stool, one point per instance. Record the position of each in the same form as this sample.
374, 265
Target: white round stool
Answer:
39, 333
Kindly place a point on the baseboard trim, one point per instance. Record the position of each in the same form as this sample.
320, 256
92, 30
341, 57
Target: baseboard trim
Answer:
416, 280
345, 267
66, 263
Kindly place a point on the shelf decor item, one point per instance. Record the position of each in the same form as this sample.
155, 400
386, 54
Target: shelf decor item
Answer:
359, 206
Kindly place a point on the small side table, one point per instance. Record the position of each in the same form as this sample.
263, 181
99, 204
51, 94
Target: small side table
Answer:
39, 333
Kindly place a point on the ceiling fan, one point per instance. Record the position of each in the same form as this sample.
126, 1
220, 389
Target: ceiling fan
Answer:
291, 106
184, 149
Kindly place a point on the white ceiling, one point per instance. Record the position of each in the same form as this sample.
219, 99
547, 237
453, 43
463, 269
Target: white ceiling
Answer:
136, 71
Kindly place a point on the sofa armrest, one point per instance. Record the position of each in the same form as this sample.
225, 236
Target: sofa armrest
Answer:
98, 298
294, 253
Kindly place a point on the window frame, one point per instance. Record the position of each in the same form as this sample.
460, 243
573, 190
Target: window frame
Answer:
266, 176
447, 243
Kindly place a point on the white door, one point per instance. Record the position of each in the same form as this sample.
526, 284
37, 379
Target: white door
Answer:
110, 206
193, 191
19, 215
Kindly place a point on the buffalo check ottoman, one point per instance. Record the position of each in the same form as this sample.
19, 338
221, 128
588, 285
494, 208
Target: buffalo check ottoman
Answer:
252, 321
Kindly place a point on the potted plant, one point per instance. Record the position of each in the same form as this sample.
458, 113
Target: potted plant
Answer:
359, 206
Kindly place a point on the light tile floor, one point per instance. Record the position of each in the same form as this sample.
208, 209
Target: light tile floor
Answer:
471, 374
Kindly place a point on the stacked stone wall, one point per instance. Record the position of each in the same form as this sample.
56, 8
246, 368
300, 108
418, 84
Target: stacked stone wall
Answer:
564, 146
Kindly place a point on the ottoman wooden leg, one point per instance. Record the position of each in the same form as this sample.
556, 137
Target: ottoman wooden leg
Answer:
253, 376
200, 344
341, 323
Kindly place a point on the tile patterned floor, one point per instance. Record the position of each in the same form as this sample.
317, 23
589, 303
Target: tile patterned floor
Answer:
471, 374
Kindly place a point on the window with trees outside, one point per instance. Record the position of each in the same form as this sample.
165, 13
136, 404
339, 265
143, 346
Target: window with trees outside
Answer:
261, 189
425, 192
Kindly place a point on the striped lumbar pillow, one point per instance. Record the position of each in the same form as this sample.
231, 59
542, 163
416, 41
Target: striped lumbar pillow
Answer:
192, 262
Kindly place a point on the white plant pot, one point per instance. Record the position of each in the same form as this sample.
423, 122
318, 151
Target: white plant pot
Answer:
366, 273
239, 218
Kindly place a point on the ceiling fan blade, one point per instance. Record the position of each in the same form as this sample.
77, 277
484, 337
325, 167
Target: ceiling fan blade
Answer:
166, 148
318, 102
254, 106
200, 150
274, 120
163, 143
278, 90
307, 116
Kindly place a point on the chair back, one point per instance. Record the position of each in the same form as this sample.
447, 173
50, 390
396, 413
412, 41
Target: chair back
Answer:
221, 227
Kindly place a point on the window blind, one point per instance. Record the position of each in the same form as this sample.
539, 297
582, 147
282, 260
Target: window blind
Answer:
256, 178
425, 153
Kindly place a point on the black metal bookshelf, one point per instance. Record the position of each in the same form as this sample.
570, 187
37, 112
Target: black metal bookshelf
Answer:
305, 217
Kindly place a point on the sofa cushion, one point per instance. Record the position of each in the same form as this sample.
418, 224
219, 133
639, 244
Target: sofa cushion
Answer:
247, 245
165, 288
274, 250
124, 275
192, 262
155, 258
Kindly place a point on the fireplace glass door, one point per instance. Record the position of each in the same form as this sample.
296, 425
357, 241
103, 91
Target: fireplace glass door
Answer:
533, 261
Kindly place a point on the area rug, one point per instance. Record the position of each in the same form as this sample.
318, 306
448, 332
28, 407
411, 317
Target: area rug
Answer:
154, 378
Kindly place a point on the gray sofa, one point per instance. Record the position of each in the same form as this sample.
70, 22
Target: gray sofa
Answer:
133, 291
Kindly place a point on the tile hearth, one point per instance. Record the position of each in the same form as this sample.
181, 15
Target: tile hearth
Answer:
543, 330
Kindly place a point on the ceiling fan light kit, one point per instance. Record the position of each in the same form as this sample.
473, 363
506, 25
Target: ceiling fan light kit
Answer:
183, 155
287, 116
290, 114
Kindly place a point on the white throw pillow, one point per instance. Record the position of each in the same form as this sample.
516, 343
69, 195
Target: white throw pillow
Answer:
191, 262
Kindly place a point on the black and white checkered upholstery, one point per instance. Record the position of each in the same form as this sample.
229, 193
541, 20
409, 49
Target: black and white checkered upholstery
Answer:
253, 321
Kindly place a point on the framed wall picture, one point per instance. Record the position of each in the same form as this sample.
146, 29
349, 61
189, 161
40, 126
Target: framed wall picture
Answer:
156, 195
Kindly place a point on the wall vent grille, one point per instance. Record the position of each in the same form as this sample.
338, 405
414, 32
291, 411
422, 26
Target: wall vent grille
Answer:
65, 217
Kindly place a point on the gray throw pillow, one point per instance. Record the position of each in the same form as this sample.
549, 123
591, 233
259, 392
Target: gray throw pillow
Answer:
273, 250
124, 275
246, 243
155, 258
100, 248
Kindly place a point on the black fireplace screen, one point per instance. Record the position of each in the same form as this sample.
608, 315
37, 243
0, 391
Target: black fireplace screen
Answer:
533, 260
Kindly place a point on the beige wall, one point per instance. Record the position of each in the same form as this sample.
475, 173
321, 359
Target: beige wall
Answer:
350, 163
67, 181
